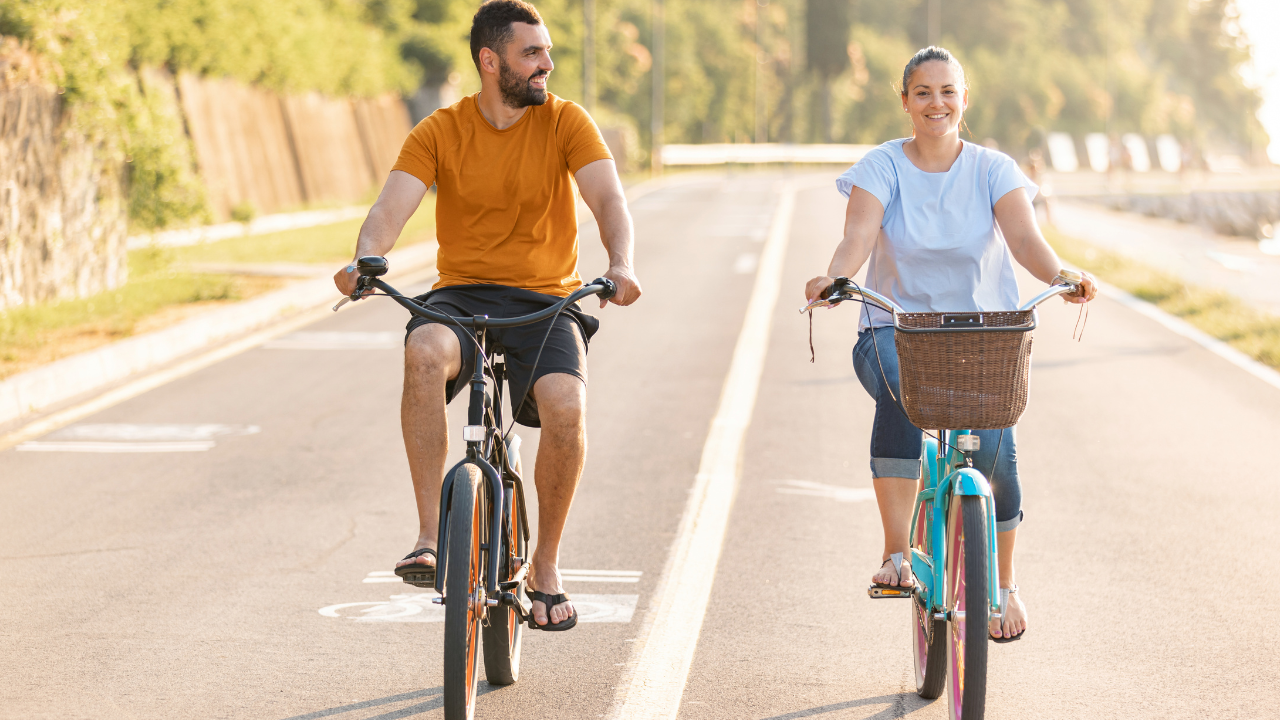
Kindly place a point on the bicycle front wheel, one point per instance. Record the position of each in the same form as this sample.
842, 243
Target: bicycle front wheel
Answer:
502, 636
463, 595
968, 552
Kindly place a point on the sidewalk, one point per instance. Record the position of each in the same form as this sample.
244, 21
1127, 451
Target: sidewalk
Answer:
1198, 256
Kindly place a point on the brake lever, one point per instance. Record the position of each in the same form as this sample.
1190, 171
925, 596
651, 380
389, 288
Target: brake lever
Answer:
341, 302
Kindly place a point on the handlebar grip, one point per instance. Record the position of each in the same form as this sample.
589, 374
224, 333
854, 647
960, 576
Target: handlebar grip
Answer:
835, 287
610, 289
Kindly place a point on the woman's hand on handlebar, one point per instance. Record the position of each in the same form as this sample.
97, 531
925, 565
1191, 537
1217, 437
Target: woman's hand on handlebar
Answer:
1086, 291
624, 278
817, 287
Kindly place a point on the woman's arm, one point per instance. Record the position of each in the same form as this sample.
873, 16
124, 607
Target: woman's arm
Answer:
862, 220
1017, 220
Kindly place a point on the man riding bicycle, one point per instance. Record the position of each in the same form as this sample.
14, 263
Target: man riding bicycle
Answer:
504, 162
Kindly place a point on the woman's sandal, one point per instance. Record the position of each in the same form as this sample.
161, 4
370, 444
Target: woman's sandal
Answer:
1004, 605
417, 574
896, 559
551, 601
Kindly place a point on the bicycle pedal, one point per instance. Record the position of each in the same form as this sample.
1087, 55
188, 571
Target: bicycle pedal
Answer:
875, 592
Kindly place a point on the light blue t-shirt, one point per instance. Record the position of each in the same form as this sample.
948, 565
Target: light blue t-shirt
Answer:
939, 248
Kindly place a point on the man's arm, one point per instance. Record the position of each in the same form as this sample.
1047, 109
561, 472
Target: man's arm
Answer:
399, 199
602, 191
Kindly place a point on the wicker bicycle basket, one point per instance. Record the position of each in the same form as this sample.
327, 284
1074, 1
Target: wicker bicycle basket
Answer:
953, 377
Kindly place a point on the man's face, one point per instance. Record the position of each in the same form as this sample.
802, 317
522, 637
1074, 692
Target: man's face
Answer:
524, 65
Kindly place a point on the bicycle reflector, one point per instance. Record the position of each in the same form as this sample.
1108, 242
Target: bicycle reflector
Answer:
968, 443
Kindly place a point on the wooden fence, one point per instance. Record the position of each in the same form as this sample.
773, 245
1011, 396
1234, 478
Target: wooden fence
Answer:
274, 153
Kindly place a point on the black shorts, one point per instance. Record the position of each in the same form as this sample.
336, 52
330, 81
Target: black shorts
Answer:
565, 351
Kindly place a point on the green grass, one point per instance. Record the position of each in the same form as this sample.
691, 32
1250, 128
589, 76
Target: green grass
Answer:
1220, 314
334, 243
159, 292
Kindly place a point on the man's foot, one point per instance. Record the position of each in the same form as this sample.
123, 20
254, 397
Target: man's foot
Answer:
895, 571
418, 568
1013, 620
548, 581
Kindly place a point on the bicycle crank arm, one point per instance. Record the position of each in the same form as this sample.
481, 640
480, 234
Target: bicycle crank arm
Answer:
516, 579
523, 610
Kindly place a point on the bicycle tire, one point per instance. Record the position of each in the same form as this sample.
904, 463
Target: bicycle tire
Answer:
968, 552
462, 591
929, 635
504, 633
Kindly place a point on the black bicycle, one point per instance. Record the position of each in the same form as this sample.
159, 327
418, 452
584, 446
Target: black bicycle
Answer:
480, 567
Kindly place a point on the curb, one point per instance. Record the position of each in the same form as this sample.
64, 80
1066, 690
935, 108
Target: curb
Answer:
35, 390
1194, 334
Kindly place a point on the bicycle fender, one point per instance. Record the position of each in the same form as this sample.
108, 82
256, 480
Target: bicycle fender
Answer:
967, 481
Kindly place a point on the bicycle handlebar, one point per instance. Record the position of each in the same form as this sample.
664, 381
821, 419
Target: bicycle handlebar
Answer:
372, 267
843, 289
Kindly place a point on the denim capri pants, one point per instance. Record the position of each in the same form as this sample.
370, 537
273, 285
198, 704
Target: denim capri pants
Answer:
896, 443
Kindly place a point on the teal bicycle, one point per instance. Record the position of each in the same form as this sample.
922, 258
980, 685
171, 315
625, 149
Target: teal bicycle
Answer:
956, 370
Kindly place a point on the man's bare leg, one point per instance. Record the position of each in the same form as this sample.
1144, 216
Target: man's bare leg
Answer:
562, 449
432, 357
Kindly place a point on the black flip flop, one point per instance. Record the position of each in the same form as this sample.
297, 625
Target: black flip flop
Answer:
417, 574
551, 601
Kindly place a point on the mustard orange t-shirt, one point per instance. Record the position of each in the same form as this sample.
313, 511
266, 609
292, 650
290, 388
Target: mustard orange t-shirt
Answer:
505, 210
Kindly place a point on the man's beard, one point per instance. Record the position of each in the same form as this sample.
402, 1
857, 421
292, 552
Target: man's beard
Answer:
516, 91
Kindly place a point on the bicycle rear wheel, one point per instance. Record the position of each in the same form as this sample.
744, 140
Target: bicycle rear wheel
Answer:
503, 634
929, 635
463, 595
967, 599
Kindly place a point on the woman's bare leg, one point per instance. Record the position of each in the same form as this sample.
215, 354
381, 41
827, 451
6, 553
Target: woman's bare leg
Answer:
897, 498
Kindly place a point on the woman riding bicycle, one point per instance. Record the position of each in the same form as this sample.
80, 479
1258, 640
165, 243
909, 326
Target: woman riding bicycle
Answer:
940, 220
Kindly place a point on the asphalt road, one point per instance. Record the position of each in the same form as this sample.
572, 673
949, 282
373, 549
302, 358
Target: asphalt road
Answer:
242, 578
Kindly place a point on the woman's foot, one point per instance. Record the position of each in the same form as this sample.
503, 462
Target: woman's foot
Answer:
895, 571
1013, 620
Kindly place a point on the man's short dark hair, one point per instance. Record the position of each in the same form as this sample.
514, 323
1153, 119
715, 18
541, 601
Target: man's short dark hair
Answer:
491, 27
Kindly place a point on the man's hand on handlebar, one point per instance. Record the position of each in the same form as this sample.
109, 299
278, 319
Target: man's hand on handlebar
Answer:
346, 280
624, 278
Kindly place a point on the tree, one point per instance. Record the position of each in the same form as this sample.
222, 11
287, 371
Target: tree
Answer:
827, 26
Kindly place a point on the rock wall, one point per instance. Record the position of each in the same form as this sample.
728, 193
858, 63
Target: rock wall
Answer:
1227, 213
62, 205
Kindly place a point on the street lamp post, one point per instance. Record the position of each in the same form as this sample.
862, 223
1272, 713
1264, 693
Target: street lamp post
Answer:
655, 127
762, 127
589, 54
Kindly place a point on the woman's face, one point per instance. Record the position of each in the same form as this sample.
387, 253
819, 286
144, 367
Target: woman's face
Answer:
936, 99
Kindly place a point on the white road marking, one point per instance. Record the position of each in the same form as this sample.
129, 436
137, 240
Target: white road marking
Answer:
609, 576
417, 607
116, 447
654, 683
1232, 262
153, 432
830, 492
136, 438
338, 341
745, 264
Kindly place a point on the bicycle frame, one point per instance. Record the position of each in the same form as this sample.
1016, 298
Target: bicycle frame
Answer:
946, 473
958, 479
477, 451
